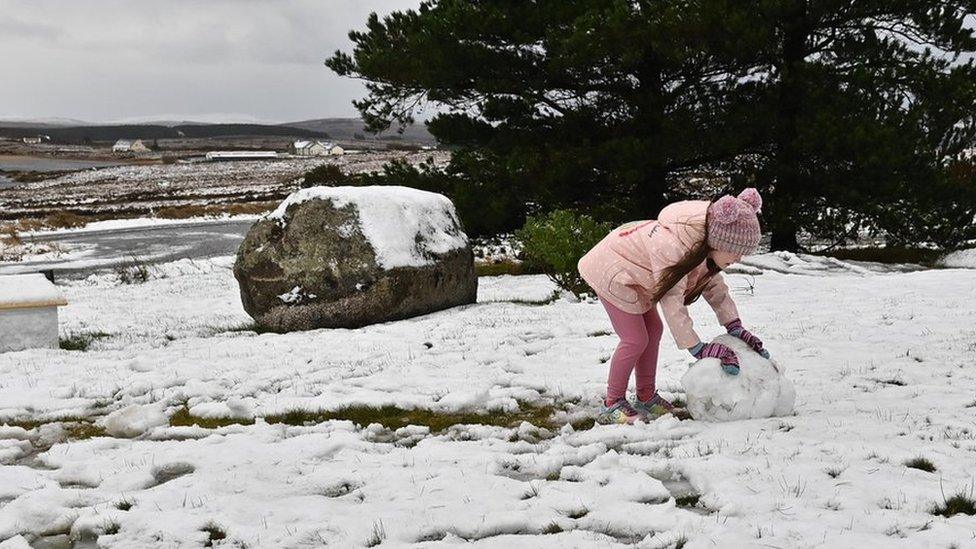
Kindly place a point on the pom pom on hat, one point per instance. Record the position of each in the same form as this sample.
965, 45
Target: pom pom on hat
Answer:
732, 223
751, 197
726, 210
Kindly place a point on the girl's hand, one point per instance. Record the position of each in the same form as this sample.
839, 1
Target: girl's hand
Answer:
735, 328
730, 362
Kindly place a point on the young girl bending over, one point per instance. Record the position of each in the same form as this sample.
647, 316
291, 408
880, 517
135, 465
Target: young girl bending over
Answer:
670, 261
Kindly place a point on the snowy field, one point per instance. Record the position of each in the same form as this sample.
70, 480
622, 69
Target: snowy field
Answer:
882, 362
125, 190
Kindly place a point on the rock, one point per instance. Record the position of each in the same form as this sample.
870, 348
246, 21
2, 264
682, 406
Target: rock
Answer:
760, 390
346, 257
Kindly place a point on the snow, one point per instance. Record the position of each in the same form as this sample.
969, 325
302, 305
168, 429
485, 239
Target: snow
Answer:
139, 222
135, 420
404, 226
962, 259
881, 365
28, 290
760, 390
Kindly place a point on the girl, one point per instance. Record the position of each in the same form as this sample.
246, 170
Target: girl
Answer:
672, 261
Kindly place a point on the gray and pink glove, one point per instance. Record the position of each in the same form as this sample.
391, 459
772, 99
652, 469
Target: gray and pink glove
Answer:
730, 362
735, 328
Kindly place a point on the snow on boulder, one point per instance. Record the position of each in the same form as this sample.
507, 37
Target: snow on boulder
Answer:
760, 390
346, 257
134, 420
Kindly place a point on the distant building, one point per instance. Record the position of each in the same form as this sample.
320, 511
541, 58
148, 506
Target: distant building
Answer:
216, 156
305, 147
33, 140
315, 148
124, 145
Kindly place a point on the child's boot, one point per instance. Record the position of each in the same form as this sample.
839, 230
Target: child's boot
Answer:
619, 412
657, 406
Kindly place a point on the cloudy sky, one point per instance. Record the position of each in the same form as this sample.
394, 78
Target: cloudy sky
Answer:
217, 60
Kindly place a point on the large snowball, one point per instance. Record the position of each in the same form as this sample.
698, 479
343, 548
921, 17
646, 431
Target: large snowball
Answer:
760, 390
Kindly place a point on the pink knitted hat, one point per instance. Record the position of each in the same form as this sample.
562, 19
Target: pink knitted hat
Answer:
732, 223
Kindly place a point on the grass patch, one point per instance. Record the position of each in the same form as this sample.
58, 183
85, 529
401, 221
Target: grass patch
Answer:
508, 267
834, 472
553, 297
84, 430
921, 463
80, 341
584, 424
214, 210
183, 418
133, 272
75, 427
887, 254
552, 528
393, 417
578, 513
377, 536
214, 533
690, 500
957, 504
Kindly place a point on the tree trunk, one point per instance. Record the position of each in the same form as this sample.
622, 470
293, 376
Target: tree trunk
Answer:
786, 166
784, 239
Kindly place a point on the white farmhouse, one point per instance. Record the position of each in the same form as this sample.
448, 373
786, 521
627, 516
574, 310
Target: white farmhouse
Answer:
310, 148
124, 145
336, 150
28, 312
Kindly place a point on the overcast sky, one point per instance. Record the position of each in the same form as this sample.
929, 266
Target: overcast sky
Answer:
210, 60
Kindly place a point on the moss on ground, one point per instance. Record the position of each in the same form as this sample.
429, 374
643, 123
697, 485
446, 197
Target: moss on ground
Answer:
394, 417
183, 418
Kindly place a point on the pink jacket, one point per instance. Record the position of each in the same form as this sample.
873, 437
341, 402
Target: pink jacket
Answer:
625, 266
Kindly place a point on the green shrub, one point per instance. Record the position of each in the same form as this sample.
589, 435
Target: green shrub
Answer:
556, 241
328, 175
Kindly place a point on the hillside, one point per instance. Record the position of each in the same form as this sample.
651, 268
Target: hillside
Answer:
348, 128
87, 134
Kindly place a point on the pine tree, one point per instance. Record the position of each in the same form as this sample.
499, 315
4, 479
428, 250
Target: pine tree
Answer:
558, 102
863, 103
844, 112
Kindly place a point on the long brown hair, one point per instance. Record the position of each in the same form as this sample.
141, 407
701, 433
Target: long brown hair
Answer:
674, 273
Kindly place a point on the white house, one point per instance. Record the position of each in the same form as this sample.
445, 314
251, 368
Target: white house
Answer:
124, 145
32, 140
28, 312
310, 148
315, 148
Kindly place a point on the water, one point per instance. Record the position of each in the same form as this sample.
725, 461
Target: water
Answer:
41, 164
18, 163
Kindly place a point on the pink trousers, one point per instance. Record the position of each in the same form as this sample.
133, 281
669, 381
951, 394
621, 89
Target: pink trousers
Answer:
640, 338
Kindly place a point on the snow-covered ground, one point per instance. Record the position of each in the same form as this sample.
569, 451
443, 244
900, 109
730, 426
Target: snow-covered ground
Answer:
882, 365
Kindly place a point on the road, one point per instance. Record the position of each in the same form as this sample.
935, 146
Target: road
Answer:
90, 251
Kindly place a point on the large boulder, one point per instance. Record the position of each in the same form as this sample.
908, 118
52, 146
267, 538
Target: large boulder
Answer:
760, 390
346, 257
